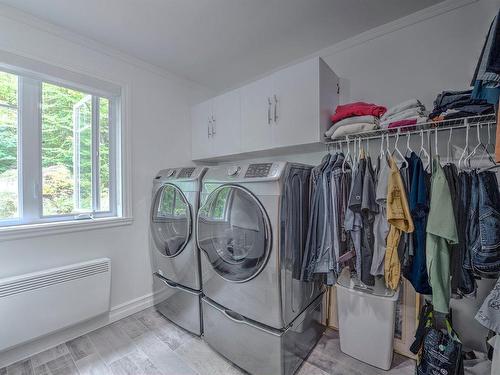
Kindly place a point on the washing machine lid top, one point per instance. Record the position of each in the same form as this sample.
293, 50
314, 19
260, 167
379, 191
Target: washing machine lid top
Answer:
179, 175
245, 172
234, 232
171, 220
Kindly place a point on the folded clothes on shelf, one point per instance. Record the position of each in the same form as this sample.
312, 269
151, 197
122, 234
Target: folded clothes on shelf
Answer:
369, 119
402, 107
353, 129
462, 104
406, 124
408, 110
357, 109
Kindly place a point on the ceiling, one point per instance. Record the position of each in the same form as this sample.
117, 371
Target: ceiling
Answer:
219, 43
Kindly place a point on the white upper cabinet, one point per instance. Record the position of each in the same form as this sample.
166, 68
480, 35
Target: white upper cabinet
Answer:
257, 115
201, 131
216, 127
295, 105
291, 107
226, 134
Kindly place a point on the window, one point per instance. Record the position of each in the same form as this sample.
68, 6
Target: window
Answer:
57, 147
9, 198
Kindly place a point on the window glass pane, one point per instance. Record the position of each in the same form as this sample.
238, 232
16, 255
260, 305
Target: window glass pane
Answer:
8, 146
219, 204
66, 150
104, 153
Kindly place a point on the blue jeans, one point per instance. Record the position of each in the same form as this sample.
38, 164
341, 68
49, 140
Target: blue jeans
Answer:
466, 284
486, 256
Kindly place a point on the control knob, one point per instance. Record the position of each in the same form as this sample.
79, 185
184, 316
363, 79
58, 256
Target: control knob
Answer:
233, 170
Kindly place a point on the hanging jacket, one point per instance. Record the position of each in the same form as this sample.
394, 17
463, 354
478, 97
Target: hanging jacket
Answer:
419, 207
317, 218
399, 218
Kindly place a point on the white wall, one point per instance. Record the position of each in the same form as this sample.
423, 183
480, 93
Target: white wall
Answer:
158, 115
419, 60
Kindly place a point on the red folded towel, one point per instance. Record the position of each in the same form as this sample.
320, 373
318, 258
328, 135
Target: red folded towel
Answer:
405, 124
357, 109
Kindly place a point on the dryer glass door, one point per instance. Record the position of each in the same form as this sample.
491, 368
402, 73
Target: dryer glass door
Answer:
170, 220
234, 232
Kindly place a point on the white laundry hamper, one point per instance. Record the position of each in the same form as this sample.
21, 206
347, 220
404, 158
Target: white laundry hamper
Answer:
366, 321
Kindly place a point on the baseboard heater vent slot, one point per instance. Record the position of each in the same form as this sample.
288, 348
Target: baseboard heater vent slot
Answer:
38, 303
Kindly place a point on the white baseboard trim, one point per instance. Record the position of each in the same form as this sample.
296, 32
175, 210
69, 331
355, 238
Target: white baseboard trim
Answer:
40, 344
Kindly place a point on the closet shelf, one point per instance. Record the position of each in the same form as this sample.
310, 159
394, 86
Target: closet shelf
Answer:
442, 125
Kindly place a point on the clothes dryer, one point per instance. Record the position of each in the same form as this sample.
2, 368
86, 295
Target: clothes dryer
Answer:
252, 229
175, 256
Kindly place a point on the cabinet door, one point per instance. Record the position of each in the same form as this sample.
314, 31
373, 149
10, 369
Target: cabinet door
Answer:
297, 108
227, 124
201, 139
256, 115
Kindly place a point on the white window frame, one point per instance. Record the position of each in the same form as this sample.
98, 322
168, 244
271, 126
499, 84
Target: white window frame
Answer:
31, 221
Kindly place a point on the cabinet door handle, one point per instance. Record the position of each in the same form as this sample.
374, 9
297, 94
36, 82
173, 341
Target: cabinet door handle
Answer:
213, 125
269, 110
275, 108
208, 128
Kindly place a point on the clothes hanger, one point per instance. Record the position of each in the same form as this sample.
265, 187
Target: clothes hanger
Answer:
436, 141
495, 164
347, 156
490, 143
354, 155
423, 150
479, 145
486, 151
466, 146
448, 147
361, 151
408, 148
396, 150
382, 151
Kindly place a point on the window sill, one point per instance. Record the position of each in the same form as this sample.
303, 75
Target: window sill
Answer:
45, 229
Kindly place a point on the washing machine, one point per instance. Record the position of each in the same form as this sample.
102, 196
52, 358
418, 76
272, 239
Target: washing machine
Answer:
251, 230
175, 256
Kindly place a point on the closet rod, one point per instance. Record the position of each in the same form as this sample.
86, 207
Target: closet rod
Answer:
442, 125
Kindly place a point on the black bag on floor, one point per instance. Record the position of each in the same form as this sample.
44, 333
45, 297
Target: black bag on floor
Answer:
440, 351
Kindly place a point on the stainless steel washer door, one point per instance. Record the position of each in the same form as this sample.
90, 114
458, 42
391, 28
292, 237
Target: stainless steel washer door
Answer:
170, 220
234, 232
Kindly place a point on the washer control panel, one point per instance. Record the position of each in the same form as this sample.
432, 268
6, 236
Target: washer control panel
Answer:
233, 170
186, 172
258, 170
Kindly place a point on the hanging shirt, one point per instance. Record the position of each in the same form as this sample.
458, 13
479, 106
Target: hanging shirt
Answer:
353, 221
399, 218
419, 207
336, 198
369, 209
380, 225
405, 247
325, 260
441, 233
451, 173
316, 222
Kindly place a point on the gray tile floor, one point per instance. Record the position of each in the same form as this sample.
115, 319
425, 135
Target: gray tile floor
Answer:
148, 344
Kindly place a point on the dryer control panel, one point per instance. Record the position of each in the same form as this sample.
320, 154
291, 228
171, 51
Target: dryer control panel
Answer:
258, 170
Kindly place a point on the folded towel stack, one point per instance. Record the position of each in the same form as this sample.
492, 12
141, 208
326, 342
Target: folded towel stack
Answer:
404, 114
354, 118
456, 104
